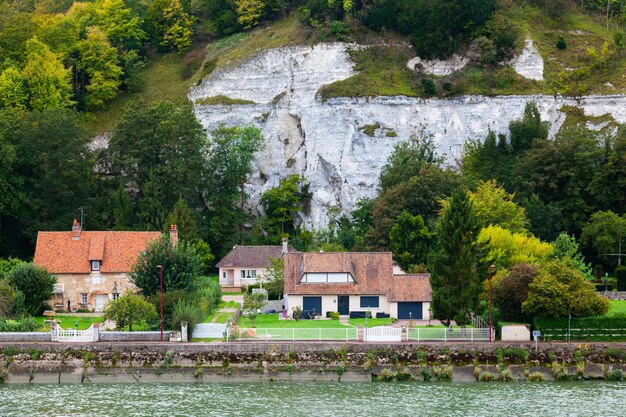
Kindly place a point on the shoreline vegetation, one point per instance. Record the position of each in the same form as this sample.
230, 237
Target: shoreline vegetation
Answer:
256, 362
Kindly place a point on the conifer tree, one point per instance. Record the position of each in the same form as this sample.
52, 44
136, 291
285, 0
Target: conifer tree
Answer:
456, 272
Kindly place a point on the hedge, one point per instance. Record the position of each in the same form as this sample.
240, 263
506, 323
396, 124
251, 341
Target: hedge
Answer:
582, 328
620, 273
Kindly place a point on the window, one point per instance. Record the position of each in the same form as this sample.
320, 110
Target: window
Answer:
369, 301
95, 265
83, 297
116, 296
248, 273
326, 277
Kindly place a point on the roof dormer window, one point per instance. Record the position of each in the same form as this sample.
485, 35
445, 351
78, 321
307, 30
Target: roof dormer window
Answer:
326, 277
95, 265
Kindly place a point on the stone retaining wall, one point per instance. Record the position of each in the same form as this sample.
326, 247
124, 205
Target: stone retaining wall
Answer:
216, 362
132, 336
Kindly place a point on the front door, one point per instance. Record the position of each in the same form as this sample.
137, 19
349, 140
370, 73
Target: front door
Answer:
343, 305
100, 302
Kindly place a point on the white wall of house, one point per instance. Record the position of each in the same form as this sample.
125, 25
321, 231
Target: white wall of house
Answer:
233, 278
329, 303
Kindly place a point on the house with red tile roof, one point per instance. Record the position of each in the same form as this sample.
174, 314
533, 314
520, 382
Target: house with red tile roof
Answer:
91, 267
353, 283
245, 265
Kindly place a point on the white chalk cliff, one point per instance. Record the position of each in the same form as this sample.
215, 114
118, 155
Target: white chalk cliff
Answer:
325, 141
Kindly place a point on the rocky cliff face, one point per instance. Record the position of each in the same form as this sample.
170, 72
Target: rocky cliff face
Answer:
340, 145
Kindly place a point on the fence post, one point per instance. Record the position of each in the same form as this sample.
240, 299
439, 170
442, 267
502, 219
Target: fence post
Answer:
418, 334
445, 334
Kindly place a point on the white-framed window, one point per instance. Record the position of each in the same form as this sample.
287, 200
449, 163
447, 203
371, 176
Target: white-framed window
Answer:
326, 277
83, 298
115, 296
95, 265
248, 273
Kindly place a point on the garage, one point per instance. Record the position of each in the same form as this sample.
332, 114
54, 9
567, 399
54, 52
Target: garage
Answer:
410, 310
311, 306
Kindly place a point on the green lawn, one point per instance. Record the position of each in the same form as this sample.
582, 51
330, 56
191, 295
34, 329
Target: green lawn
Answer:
69, 322
271, 321
618, 308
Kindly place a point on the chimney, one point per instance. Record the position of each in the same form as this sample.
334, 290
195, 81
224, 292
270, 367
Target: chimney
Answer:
174, 235
75, 230
285, 245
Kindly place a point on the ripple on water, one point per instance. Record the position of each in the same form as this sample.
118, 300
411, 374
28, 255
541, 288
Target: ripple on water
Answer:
316, 398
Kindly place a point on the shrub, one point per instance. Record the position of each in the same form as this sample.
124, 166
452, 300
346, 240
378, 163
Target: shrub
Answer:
535, 377
561, 44
25, 324
334, 315
188, 311
35, 354
387, 375
296, 313
614, 375
35, 283
443, 373
11, 351
487, 376
506, 375
428, 87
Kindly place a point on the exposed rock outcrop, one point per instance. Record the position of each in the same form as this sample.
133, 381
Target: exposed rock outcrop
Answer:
325, 141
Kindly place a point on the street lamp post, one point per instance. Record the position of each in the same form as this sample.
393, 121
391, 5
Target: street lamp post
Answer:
160, 268
490, 271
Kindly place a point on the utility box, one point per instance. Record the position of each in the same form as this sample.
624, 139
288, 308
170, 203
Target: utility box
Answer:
515, 333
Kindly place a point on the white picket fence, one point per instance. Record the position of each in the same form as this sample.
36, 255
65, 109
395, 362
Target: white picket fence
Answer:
73, 335
292, 334
445, 334
383, 334
209, 330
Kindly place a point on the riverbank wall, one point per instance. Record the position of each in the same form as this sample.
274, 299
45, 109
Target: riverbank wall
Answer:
238, 362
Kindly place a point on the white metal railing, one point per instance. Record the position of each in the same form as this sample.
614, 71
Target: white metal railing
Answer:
445, 334
209, 330
235, 333
478, 321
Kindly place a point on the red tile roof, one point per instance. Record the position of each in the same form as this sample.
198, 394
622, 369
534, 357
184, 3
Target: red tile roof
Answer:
372, 273
252, 256
118, 251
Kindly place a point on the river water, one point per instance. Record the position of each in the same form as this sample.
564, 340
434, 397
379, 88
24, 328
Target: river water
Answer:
378, 399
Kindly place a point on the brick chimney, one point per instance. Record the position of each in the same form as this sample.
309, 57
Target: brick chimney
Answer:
285, 245
174, 235
75, 230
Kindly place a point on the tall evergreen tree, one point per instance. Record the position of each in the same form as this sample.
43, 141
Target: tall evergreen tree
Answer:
455, 267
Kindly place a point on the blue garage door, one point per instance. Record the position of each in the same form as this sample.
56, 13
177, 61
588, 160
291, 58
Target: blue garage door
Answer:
311, 306
410, 311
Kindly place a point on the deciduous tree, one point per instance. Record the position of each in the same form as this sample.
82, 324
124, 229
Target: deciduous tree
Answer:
181, 267
130, 309
560, 290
